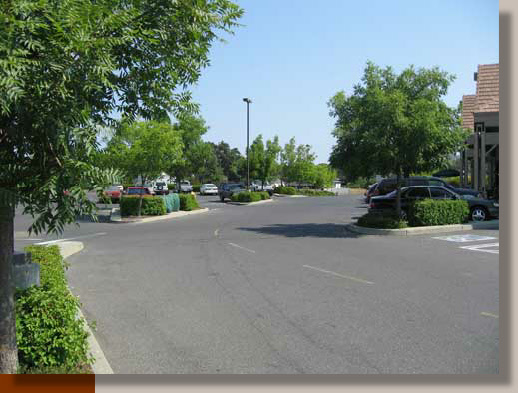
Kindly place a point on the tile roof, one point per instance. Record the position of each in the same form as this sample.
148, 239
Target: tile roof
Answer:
488, 96
469, 103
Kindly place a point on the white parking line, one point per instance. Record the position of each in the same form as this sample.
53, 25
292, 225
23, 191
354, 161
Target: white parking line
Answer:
482, 247
241, 247
488, 314
71, 238
339, 275
216, 232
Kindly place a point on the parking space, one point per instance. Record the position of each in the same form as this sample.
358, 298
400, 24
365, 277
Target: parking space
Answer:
473, 242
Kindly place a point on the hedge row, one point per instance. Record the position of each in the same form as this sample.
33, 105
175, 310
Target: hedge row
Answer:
310, 192
429, 212
250, 196
188, 202
285, 190
151, 206
50, 337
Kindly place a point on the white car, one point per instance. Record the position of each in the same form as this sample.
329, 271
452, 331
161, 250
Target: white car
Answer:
208, 189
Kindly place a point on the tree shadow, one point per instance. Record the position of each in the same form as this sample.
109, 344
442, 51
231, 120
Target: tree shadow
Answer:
327, 230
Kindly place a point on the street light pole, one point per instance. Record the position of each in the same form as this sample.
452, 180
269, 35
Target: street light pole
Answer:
248, 102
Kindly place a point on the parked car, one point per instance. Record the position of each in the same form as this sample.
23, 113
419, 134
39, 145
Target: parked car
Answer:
146, 191
480, 209
161, 188
258, 186
226, 190
185, 186
208, 189
371, 191
388, 185
114, 192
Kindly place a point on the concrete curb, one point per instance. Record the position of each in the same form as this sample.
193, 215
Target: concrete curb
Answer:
250, 203
100, 365
289, 196
494, 224
168, 216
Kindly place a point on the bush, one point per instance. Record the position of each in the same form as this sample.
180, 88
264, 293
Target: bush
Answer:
382, 221
264, 195
196, 188
249, 196
172, 202
438, 212
188, 202
285, 190
171, 187
309, 192
151, 206
48, 334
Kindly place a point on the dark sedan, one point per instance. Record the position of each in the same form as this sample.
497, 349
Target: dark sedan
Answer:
480, 209
226, 190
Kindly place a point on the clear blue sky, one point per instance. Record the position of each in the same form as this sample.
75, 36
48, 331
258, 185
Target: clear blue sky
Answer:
290, 57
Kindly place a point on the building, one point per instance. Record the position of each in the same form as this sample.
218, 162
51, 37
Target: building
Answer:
480, 115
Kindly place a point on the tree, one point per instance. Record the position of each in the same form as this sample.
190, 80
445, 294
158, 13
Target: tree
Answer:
204, 162
263, 160
323, 176
394, 124
67, 68
190, 128
288, 160
228, 160
145, 150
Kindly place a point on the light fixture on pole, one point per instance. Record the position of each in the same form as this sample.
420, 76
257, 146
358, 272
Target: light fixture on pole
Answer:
248, 102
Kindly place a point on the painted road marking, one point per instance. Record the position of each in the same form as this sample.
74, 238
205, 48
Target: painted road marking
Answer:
216, 232
464, 238
339, 275
71, 238
482, 247
488, 314
241, 247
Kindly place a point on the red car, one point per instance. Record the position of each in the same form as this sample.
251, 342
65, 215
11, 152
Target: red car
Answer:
113, 192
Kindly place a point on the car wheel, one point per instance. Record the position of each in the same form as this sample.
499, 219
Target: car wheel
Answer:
478, 213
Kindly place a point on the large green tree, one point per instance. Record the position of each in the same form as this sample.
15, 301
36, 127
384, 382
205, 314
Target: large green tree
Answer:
228, 160
68, 67
263, 158
394, 124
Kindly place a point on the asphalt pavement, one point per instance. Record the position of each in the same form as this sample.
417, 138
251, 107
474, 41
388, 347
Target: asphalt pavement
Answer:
283, 288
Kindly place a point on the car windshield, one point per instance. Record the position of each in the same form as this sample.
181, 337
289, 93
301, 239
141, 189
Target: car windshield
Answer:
235, 186
136, 191
113, 188
209, 185
160, 184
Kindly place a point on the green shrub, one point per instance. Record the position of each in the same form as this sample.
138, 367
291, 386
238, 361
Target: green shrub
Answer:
310, 192
172, 202
249, 196
188, 202
264, 195
382, 221
151, 206
438, 212
285, 190
48, 333
171, 187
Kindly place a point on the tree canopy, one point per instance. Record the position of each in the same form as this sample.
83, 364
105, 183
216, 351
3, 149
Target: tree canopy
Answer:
394, 123
67, 68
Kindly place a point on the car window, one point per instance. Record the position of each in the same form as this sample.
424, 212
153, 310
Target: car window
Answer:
417, 182
419, 192
387, 185
440, 193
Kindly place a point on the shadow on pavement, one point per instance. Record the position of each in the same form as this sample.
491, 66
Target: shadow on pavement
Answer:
305, 230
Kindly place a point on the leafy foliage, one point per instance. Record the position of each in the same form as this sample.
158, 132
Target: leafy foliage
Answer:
285, 190
247, 196
188, 202
151, 206
48, 333
395, 123
438, 212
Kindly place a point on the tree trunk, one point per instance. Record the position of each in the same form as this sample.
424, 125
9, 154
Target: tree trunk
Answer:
8, 350
398, 194
140, 197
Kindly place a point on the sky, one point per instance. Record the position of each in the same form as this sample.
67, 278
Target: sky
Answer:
291, 56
